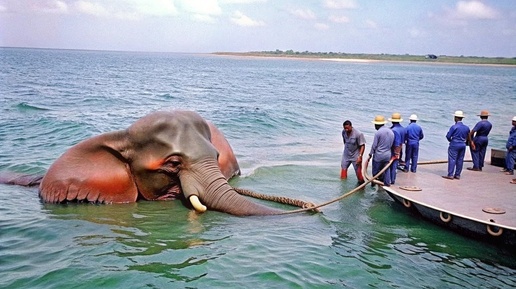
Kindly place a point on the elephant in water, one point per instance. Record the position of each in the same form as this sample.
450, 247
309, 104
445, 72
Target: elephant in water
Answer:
164, 155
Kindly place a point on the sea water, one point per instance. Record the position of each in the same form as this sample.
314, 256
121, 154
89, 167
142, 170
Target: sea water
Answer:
283, 118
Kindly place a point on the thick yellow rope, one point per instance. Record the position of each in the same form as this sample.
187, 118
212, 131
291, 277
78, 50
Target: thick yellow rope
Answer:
278, 199
344, 195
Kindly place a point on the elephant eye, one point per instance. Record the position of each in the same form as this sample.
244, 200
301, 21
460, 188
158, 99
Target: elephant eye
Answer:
172, 164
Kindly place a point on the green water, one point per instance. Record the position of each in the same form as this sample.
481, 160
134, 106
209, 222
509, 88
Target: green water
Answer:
283, 119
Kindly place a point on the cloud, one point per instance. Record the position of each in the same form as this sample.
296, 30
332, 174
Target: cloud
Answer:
155, 8
242, 20
321, 26
241, 1
50, 6
202, 10
202, 7
474, 10
340, 4
121, 9
339, 19
126, 9
204, 18
91, 8
464, 13
305, 14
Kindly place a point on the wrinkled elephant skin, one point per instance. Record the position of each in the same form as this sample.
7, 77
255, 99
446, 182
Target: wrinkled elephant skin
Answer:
164, 155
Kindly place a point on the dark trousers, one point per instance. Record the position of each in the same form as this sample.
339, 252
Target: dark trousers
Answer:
509, 160
412, 155
456, 159
478, 155
378, 166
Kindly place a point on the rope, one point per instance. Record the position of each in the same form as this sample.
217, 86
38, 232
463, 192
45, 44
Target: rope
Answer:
369, 180
278, 199
419, 163
308, 206
344, 195
438, 162
373, 179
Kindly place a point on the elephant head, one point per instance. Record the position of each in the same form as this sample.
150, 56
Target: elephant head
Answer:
164, 155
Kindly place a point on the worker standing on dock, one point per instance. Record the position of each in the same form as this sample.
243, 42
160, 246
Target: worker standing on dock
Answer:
478, 141
458, 136
354, 146
399, 140
413, 134
381, 149
511, 150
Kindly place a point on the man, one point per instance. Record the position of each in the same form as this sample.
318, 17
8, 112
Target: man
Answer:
458, 135
413, 134
399, 139
354, 145
511, 150
381, 149
478, 144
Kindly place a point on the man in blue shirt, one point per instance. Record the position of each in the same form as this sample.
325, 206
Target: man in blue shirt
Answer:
399, 140
413, 134
381, 149
458, 135
354, 146
478, 144
511, 150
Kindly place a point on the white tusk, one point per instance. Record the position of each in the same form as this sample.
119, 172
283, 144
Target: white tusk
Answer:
196, 203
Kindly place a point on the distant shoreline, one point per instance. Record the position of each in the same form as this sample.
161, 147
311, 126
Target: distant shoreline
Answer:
371, 58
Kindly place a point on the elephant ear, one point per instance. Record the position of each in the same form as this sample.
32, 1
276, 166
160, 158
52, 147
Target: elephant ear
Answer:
227, 161
95, 170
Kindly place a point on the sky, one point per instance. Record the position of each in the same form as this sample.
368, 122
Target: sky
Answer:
418, 27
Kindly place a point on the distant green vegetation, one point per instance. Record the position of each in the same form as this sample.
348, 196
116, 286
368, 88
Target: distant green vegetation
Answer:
382, 57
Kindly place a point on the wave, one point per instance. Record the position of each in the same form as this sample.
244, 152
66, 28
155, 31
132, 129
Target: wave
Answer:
23, 106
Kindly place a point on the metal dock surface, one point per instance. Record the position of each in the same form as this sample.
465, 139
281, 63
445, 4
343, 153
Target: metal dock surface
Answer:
482, 204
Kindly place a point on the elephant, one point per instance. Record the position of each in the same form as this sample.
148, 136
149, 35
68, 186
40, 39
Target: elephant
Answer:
165, 155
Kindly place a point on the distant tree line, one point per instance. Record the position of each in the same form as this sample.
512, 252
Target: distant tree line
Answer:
382, 56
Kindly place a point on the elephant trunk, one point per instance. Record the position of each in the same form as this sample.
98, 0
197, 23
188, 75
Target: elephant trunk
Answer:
205, 180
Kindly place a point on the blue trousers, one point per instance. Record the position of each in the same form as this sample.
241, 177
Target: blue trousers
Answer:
509, 160
378, 166
393, 170
478, 155
456, 159
412, 155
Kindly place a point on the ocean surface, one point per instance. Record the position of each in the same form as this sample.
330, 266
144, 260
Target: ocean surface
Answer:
283, 119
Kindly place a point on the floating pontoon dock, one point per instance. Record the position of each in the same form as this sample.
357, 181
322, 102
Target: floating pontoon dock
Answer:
480, 204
